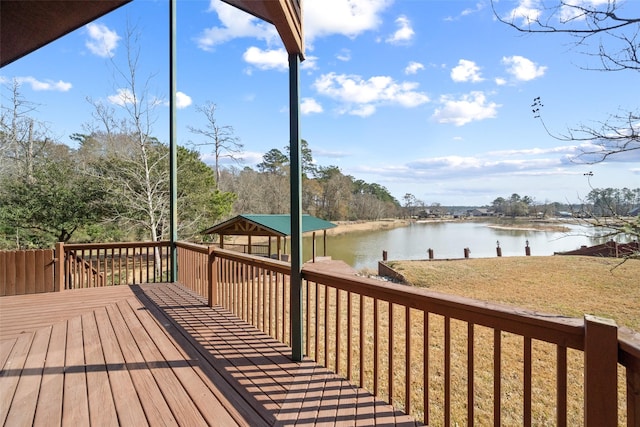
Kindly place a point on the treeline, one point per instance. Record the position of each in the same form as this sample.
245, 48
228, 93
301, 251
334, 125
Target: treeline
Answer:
115, 187
600, 202
326, 192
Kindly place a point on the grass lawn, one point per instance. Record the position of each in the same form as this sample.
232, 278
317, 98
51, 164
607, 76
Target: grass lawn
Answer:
567, 285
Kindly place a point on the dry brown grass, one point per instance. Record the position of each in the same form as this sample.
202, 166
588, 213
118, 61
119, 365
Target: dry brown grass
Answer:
567, 285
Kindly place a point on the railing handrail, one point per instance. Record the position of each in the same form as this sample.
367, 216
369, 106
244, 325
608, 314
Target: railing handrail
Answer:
254, 260
77, 246
196, 247
566, 331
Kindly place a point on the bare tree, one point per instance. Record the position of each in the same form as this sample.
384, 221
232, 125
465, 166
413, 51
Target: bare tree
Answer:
225, 143
137, 175
22, 138
600, 30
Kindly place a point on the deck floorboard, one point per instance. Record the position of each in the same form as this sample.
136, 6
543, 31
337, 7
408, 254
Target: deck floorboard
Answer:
158, 355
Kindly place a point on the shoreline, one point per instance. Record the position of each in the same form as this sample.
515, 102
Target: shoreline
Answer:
344, 227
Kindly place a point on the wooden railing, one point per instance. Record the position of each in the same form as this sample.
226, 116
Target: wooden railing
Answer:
446, 360
107, 264
443, 359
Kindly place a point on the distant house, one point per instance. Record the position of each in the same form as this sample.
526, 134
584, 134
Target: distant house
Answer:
480, 212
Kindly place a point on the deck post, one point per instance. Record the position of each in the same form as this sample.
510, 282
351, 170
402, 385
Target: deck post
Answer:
173, 150
58, 270
601, 372
296, 208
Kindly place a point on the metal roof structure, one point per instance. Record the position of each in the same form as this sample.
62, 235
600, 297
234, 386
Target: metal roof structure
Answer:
266, 225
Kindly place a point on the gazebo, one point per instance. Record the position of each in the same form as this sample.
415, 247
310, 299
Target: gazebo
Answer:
278, 226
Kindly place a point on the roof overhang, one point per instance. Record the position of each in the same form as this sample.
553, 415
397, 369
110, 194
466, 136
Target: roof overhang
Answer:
27, 25
285, 15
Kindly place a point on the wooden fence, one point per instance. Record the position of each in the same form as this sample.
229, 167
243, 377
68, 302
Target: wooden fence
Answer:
26, 272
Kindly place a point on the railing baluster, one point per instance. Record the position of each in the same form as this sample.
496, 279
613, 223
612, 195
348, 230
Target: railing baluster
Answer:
316, 352
497, 370
375, 347
307, 339
407, 362
285, 310
349, 336
362, 340
447, 371
271, 273
527, 382
338, 317
425, 366
326, 326
470, 374
391, 352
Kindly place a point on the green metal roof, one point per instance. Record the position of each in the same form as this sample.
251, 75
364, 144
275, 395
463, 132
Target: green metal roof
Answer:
266, 225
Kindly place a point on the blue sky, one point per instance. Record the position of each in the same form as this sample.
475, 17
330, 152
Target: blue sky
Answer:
428, 97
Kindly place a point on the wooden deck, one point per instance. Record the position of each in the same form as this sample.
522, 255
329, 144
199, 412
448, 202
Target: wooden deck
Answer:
157, 355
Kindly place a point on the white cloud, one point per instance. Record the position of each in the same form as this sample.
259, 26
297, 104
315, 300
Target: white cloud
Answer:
309, 63
500, 81
183, 100
466, 71
234, 24
361, 97
343, 17
363, 110
470, 107
527, 12
475, 165
309, 106
274, 59
404, 33
413, 67
102, 41
122, 97
39, 85
523, 69
344, 55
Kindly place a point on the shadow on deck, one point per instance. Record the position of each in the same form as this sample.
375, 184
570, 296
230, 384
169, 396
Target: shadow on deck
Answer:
158, 355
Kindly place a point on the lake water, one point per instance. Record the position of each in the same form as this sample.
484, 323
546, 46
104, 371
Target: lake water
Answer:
363, 250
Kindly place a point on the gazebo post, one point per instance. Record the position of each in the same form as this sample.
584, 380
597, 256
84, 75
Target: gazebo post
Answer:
324, 242
279, 248
313, 247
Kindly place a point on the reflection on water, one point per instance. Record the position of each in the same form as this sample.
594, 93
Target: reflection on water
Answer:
447, 239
